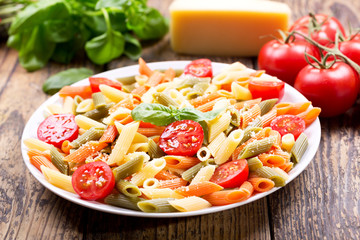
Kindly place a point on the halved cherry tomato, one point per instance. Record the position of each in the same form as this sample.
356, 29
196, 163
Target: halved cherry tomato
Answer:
55, 129
93, 180
183, 138
96, 81
199, 68
266, 88
285, 124
231, 174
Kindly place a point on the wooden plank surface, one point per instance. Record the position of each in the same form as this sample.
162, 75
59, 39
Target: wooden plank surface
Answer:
322, 203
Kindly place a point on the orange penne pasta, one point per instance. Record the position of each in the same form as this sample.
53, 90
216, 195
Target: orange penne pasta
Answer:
297, 108
226, 197
310, 115
180, 162
206, 107
109, 134
34, 152
126, 103
165, 175
86, 150
156, 78
66, 146
127, 119
268, 117
204, 99
141, 90
282, 108
248, 116
149, 132
144, 68
173, 183
287, 166
272, 160
261, 184
72, 91
248, 103
199, 189
37, 161
169, 75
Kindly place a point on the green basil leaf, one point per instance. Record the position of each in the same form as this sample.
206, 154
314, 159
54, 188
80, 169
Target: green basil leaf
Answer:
148, 24
132, 47
54, 83
198, 116
96, 22
14, 41
156, 114
37, 13
59, 30
121, 4
35, 50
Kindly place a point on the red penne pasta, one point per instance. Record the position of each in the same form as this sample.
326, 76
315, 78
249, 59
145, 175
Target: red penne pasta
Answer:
268, 117
34, 152
172, 183
169, 75
149, 132
38, 161
180, 162
261, 184
248, 116
109, 135
204, 99
144, 68
85, 151
72, 91
310, 115
199, 189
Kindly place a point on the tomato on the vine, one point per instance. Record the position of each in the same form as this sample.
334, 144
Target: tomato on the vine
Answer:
231, 174
57, 128
285, 124
93, 181
266, 88
323, 27
199, 68
334, 89
285, 59
183, 138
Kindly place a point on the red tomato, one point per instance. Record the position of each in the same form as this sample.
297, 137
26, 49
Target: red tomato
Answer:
93, 180
351, 49
231, 174
55, 129
334, 90
324, 27
199, 68
183, 138
266, 89
96, 81
285, 60
285, 124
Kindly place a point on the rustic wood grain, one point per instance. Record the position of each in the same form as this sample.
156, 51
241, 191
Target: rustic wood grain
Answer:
322, 203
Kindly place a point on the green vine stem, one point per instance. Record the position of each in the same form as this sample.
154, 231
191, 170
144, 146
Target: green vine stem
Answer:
334, 51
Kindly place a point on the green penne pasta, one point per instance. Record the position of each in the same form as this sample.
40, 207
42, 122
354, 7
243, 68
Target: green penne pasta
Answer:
254, 164
77, 100
299, 148
193, 94
267, 105
57, 160
229, 129
127, 188
128, 88
165, 100
159, 205
123, 201
132, 166
92, 134
257, 147
154, 150
249, 132
201, 87
99, 100
126, 80
235, 118
191, 172
97, 114
275, 174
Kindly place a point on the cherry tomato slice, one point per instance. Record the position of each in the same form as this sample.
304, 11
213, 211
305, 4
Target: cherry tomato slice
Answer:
96, 81
231, 174
183, 138
267, 89
285, 124
199, 68
55, 129
93, 181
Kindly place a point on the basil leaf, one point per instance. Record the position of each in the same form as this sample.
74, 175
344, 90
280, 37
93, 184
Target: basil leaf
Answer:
37, 13
54, 83
161, 115
121, 4
59, 30
156, 114
35, 50
132, 47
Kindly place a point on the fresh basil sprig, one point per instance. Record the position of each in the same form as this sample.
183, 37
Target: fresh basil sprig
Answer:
161, 115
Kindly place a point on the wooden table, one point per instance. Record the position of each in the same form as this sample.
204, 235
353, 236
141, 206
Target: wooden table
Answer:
321, 203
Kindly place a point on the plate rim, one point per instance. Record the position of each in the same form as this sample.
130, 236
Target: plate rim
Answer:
315, 128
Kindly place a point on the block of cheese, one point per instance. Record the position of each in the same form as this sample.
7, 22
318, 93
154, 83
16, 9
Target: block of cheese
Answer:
225, 27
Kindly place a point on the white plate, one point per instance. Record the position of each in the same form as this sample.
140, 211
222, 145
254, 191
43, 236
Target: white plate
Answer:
291, 95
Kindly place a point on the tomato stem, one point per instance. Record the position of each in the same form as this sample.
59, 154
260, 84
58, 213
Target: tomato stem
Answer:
334, 51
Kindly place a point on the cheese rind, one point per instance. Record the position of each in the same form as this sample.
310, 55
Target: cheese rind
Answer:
226, 27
